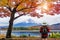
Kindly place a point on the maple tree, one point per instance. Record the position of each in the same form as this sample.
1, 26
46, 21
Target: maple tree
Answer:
8, 8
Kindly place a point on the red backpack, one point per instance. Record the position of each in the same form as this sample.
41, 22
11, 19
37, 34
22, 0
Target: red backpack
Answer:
44, 30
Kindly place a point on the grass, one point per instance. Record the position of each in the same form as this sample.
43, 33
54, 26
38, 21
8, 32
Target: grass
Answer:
55, 35
2, 36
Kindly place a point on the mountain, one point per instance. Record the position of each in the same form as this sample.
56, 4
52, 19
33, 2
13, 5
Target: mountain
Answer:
56, 26
24, 24
52, 27
2, 27
33, 25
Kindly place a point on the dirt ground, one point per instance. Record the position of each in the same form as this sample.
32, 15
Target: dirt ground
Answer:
30, 39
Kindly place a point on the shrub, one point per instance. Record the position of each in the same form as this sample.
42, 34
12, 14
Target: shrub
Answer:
23, 35
55, 35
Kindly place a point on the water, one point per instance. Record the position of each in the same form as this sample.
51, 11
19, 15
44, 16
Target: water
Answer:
26, 33
19, 33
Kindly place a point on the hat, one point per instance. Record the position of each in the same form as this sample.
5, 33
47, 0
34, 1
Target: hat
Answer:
44, 23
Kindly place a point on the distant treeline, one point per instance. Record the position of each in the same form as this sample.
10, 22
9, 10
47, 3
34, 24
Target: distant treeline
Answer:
20, 28
24, 28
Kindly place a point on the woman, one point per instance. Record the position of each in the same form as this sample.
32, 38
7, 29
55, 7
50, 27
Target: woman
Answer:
44, 32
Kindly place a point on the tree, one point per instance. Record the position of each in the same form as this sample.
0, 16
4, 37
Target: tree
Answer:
8, 8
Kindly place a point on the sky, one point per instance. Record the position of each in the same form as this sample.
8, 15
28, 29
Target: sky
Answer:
46, 18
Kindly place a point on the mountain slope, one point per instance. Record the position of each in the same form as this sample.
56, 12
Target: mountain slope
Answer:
56, 26
24, 24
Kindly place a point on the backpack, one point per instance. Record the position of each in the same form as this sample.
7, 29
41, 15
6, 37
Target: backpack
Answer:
44, 31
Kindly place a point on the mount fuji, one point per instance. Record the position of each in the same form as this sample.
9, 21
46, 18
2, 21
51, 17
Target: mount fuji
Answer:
26, 24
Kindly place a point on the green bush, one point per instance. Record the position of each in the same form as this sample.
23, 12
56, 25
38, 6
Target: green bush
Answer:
23, 35
55, 35
14, 36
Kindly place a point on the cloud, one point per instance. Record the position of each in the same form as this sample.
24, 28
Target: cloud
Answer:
47, 18
4, 21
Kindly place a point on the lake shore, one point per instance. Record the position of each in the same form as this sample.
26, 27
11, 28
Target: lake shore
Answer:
29, 30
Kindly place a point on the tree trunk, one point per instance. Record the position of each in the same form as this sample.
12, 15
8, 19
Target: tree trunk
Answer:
8, 35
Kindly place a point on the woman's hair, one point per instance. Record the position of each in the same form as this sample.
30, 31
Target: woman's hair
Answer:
44, 25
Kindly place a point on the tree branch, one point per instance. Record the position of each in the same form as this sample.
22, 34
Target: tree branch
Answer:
26, 8
17, 5
9, 8
19, 16
22, 14
21, 10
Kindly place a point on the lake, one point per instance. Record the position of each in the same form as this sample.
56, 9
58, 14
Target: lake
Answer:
26, 32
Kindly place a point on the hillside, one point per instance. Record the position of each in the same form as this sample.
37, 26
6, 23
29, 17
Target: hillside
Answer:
53, 27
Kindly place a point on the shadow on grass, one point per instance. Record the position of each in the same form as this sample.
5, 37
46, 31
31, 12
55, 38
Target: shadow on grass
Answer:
6, 39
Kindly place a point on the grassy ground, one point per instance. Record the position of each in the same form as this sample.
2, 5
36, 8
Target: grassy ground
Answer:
30, 39
27, 38
2, 36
